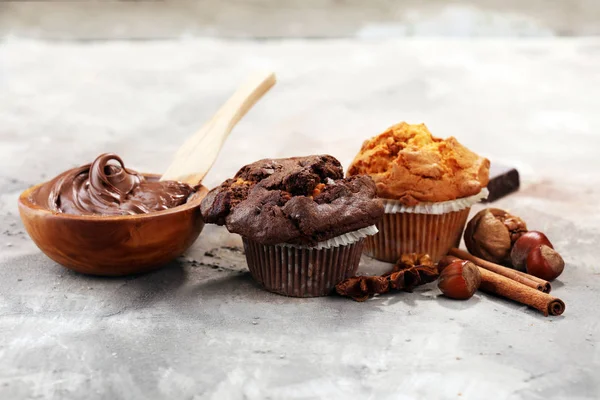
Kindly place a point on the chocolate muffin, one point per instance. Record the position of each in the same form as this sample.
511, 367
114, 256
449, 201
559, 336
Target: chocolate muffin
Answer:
302, 223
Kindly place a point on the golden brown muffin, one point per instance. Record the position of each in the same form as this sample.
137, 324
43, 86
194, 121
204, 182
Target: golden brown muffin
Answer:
410, 165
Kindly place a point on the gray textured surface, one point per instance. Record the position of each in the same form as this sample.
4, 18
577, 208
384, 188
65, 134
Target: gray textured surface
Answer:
200, 328
143, 19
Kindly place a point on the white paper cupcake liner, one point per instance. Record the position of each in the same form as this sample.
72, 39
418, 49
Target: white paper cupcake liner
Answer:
301, 272
403, 233
441, 207
342, 240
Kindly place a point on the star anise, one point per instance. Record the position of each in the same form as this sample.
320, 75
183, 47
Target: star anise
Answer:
410, 271
360, 288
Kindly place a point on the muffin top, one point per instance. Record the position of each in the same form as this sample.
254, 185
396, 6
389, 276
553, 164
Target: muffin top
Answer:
298, 200
410, 165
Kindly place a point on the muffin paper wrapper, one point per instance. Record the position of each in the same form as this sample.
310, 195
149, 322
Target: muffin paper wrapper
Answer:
342, 240
401, 233
442, 207
302, 271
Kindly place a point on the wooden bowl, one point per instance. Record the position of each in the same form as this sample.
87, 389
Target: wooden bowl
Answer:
113, 245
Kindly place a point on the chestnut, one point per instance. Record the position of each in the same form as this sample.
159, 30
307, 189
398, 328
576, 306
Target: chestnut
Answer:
527, 242
459, 279
544, 262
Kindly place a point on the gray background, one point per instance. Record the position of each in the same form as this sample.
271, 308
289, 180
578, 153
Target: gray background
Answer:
268, 19
200, 327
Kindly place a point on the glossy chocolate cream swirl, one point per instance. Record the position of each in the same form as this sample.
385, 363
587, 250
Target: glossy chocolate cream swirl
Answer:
108, 188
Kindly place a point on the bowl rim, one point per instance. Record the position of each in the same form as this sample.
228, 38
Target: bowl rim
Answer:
25, 202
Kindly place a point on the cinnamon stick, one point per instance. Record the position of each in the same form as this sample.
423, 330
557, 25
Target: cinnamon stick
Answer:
547, 286
500, 285
518, 276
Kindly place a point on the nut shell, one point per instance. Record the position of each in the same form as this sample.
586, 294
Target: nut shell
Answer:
459, 279
544, 262
527, 242
491, 233
445, 261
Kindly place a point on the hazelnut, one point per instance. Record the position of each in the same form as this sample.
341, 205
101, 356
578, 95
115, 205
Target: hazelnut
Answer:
491, 233
544, 262
445, 261
459, 279
524, 245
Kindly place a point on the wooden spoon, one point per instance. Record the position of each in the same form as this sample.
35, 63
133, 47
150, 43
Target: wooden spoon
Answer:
199, 152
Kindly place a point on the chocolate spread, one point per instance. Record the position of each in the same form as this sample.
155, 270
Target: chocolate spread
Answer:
104, 188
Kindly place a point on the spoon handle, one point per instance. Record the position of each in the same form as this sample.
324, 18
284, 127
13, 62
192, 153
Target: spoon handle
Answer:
196, 156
